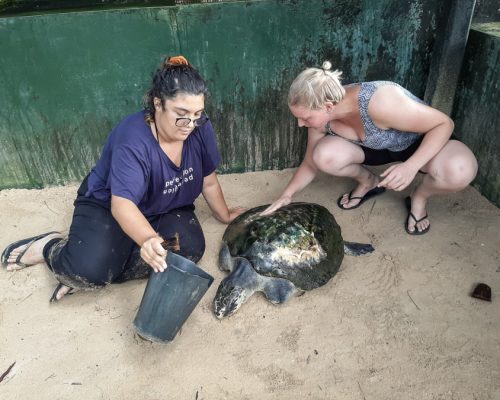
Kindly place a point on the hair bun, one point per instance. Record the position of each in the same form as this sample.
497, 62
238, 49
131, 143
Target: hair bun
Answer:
176, 60
327, 66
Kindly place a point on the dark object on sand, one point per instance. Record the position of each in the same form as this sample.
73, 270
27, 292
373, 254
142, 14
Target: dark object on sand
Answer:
7, 372
297, 248
169, 298
482, 292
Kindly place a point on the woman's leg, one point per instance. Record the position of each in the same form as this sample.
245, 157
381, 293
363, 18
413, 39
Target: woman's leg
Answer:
181, 222
184, 223
451, 170
95, 252
338, 157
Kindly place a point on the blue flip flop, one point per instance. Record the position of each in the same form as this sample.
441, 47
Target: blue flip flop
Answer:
371, 193
29, 241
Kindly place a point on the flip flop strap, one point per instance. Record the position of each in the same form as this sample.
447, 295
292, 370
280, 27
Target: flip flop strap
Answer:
371, 193
417, 220
349, 197
22, 253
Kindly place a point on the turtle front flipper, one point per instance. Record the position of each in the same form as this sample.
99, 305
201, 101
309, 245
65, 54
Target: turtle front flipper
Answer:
236, 288
278, 290
357, 249
226, 262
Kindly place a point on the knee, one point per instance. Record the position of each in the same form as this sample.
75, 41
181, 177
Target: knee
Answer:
467, 170
194, 249
190, 234
460, 171
327, 161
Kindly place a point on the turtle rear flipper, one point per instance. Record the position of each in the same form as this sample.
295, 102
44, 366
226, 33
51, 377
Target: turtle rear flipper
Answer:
357, 249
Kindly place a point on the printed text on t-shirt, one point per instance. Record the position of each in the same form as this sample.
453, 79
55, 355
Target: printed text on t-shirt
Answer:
174, 184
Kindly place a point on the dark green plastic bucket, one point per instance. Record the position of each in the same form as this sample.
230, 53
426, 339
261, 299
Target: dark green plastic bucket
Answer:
169, 298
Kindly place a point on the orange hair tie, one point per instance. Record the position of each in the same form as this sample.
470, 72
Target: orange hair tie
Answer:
177, 60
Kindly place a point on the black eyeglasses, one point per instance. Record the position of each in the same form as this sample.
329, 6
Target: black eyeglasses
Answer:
184, 121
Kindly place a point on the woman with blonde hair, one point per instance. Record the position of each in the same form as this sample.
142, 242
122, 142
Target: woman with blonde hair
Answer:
375, 123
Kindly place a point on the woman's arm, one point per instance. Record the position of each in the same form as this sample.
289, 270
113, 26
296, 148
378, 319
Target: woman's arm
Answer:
212, 192
137, 227
302, 177
391, 108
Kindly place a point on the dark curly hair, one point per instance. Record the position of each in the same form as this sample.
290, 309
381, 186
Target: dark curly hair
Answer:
175, 75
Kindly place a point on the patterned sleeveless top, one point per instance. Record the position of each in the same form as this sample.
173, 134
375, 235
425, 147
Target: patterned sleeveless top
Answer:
376, 138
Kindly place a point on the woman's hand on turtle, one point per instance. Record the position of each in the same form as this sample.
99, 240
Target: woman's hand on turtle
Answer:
234, 212
282, 201
397, 177
154, 254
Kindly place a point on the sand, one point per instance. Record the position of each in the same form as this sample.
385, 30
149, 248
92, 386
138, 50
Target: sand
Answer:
398, 324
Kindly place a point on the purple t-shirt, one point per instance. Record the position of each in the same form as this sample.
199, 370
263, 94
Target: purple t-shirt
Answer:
134, 166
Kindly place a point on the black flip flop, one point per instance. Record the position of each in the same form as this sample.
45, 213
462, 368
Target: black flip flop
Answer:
371, 193
29, 241
59, 287
410, 215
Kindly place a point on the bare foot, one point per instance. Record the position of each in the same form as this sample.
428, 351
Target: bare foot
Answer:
33, 253
419, 221
359, 192
60, 292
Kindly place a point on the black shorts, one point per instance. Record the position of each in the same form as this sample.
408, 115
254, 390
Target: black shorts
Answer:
381, 157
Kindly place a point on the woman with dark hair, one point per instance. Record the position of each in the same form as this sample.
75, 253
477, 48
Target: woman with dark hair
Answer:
155, 163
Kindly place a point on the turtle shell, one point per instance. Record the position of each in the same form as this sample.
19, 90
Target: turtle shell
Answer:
300, 242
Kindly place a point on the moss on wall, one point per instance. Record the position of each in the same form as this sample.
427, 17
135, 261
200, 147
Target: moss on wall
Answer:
67, 78
476, 110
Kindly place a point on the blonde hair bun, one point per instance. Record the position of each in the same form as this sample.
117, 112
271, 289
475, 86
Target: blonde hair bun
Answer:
327, 65
314, 87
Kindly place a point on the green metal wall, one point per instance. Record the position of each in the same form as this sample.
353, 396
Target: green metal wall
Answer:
477, 106
67, 78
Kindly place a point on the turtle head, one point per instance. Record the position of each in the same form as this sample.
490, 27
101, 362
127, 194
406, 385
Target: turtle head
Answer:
235, 289
228, 299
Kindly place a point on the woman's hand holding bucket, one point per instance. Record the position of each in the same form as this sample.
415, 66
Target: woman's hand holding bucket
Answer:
154, 254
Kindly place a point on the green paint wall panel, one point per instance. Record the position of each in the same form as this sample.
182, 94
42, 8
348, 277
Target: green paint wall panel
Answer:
477, 105
67, 78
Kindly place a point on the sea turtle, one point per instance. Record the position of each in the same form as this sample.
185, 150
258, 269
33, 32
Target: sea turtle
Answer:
297, 248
